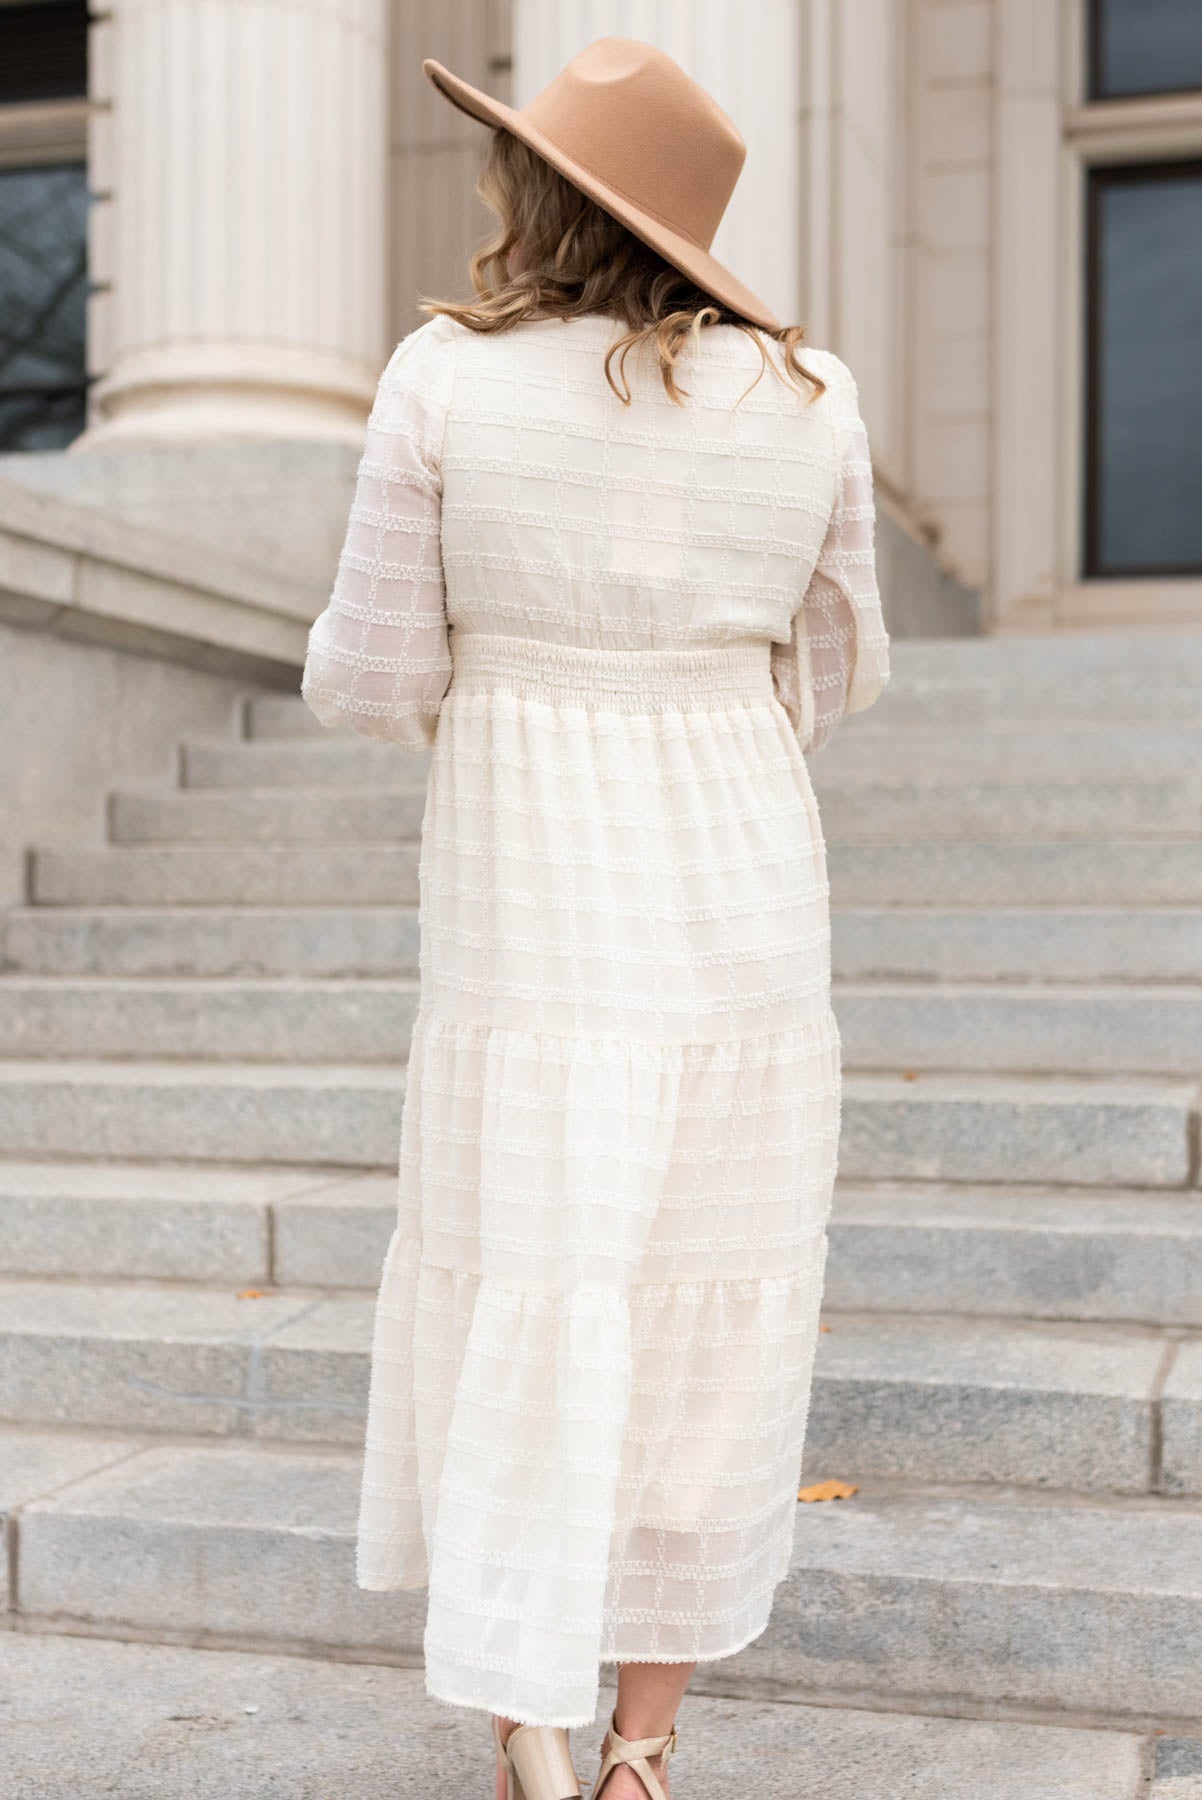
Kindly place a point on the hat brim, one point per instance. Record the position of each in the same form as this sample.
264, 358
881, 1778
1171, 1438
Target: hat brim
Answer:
709, 274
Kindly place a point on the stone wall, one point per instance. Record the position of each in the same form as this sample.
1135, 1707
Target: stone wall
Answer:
76, 719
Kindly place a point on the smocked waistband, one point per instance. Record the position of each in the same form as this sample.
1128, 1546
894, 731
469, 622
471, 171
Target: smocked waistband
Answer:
708, 677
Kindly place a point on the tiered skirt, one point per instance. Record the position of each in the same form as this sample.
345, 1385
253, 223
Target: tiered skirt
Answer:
597, 1319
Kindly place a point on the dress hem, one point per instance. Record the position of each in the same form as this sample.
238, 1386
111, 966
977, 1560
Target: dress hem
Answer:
578, 1721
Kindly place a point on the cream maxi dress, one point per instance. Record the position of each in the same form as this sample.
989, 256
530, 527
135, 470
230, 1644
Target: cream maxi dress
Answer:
616, 631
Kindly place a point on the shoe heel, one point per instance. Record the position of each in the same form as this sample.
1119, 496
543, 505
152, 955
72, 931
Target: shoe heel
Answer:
542, 1763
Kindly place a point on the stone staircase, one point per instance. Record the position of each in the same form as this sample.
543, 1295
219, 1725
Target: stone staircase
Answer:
203, 1030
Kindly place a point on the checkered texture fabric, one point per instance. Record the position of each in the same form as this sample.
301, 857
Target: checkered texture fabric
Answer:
616, 632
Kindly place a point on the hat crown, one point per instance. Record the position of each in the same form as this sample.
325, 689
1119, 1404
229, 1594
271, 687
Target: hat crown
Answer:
631, 117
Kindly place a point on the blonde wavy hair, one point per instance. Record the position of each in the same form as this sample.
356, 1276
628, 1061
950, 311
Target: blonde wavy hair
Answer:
569, 256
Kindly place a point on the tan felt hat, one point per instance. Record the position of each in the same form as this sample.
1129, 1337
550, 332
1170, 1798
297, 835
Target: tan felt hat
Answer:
627, 126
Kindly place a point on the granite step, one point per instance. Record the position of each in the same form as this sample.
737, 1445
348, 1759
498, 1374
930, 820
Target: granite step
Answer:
335, 760
295, 1020
853, 808
963, 1026
978, 943
220, 1223
1138, 658
1036, 1027
855, 811
226, 1112
355, 815
1035, 751
1077, 1604
1087, 944
1090, 1131
1120, 873
211, 941
1117, 874
1131, 1255
226, 875
1092, 1408
993, 1249
214, 1724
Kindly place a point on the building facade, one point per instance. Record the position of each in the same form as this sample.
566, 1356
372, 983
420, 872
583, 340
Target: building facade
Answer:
216, 217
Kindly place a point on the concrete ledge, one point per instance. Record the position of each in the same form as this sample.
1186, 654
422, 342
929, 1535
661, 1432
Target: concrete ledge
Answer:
73, 571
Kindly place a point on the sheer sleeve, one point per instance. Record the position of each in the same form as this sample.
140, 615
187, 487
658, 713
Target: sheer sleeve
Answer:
837, 658
379, 657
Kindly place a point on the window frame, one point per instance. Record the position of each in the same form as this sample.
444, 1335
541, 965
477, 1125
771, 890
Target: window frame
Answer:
1094, 94
46, 134
1097, 177
1159, 128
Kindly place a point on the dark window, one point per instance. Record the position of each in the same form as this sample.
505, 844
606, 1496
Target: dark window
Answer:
1144, 387
43, 293
43, 51
1144, 47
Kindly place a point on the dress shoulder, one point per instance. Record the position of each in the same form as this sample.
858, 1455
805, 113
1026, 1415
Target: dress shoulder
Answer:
423, 362
840, 382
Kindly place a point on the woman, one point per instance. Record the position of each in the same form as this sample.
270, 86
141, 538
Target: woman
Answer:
618, 583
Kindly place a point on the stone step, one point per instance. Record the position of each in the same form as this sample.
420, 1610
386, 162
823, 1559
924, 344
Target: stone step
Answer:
982, 701
335, 760
1063, 874
218, 1223
1088, 1606
281, 716
1087, 944
1099, 1131
1119, 873
1042, 1027
242, 875
934, 1399
862, 811
1068, 1254
855, 801
852, 810
1138, 658
1036, 751
259, 816
968, 943
276, 1020
983, 1026
1036, 1252
1089, 1131
226, 1112
240, 1736
211, 941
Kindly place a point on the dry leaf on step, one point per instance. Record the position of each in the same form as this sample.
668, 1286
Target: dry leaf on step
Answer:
828, 1490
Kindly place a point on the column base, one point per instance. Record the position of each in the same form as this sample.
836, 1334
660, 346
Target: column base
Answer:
255, 393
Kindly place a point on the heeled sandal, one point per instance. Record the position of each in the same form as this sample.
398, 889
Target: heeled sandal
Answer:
537, 1762
618, 1750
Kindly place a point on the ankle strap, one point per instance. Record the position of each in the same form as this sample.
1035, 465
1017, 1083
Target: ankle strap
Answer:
634, 1752
634, 1749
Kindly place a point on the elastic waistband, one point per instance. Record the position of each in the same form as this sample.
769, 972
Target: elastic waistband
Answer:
616, 680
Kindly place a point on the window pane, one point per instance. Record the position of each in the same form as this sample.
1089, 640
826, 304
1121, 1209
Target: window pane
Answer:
1144, 500
43, 293
1145, 47
43, 50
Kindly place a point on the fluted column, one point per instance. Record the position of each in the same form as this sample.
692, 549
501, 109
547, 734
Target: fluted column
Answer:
749, 59
245, 239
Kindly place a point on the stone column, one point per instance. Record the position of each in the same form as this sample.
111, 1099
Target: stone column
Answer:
751, 66
242, 248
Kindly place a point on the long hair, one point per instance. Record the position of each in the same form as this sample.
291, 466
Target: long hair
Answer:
556, 253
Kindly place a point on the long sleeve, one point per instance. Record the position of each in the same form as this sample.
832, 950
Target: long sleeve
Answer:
379, 657
837, 659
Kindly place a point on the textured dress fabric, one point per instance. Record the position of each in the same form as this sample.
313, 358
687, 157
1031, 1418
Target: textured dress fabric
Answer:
616, 631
